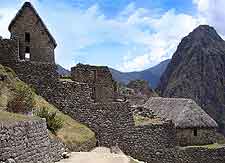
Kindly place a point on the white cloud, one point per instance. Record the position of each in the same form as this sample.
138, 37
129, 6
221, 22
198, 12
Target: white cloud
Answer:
154, 37
212, 11
6, 15
168, 30
149, 37
202, 5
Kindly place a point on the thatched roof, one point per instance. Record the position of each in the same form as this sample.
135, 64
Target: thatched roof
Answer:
185, 113
19, 13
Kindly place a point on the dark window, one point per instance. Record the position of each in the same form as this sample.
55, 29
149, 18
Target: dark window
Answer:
195, 132
27, 50
27, 37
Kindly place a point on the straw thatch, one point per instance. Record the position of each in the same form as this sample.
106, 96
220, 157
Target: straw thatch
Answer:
185, 113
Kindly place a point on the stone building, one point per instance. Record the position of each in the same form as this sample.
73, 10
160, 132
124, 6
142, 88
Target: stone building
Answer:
99, 78
193, 125
29, 37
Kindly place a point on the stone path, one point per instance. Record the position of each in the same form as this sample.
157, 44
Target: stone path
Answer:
98, 155
94, 157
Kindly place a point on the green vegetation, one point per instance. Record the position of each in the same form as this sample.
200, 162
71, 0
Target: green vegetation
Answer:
13, 117
54, 122
72, 133
220, 138
66, 77
10, 72
5, 87
23, 98
209, 146
140, 120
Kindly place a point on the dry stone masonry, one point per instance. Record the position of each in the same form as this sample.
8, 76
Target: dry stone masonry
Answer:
98, 78
26, 142
32, 36
90, 98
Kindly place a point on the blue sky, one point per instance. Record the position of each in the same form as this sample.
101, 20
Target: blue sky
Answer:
128, 35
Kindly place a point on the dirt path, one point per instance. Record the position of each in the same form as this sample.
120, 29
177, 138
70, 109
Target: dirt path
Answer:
95, 157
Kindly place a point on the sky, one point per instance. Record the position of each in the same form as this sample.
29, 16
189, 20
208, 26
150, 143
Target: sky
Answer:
128, 35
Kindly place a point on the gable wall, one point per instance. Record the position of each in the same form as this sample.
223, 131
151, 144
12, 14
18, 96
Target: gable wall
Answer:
41, 47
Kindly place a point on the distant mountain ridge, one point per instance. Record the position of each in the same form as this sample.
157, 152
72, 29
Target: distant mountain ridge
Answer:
152, 75
62, 71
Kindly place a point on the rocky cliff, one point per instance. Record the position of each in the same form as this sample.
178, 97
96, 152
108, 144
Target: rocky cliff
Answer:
197, 71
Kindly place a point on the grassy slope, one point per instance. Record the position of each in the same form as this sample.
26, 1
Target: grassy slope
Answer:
72, 131
7, 117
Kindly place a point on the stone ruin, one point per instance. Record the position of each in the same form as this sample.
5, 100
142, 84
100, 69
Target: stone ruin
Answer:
99, 78
90, 97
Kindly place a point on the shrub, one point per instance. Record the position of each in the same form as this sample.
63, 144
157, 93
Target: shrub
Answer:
10, 71
22, 100
66, 77
54, 122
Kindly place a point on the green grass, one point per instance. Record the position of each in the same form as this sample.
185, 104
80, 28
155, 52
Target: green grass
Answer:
5, 87
72, 131
7, 117
209, 146
140, 120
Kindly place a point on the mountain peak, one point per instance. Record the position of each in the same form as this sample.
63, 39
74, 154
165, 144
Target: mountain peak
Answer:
197, 71
203, 36
205, 32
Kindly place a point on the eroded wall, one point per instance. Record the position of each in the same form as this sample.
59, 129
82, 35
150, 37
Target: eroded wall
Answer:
99, 79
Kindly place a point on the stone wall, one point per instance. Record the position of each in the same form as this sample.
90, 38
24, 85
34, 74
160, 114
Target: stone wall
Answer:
156, 143
74, 98
200, 155
186, 137
109, 119
40, 76
29, 142
8, 51
148, 142
104, 119
57, 148
99, 79
25, 142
